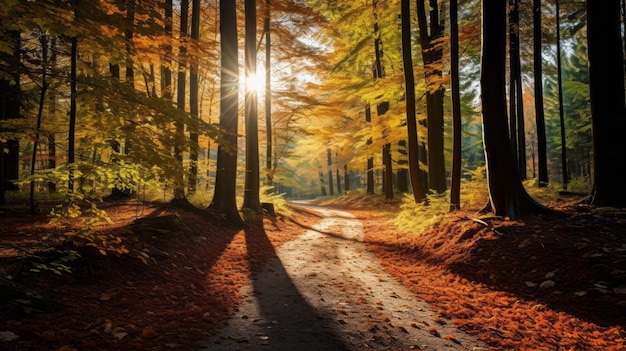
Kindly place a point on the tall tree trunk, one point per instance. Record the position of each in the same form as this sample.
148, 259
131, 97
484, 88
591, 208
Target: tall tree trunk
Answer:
166, 73
542, 149
251, 194
224, 197
346, 178
72, 124
370, 160
560, 86
338, 182
43, 40
52, 163
194, 107
409, 86
10, 102
330, 173
432, 55
455, 183
268, 94
608, 116
382, 109
179, 149
514, 73
516, 99
508, 198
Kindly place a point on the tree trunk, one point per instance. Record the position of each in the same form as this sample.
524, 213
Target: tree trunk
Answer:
560, 86
409, 86
268, 94
251, 195
608, 116
193, 102
432, 55
179, 179
10, 102
455, 183
346, 178
224, 197
72, 123
166, 73
370, 160
542, 158
514, 73
43, 40
52, 163
508, 198
338, 182
330, 174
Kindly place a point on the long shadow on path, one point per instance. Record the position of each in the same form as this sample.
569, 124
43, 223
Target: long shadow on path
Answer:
274, 315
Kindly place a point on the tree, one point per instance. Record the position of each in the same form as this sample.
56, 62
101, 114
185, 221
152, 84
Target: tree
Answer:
194, 109
560, 92
608, 115
432, 54
251, 194
10, 102
516, 105
268, 94
508, 198
224, 196
455, 183
411, 122
382, 108
542, 159
179, 183
43, 40
72, 127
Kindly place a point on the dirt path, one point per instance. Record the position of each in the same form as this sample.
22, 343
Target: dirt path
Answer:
325, 291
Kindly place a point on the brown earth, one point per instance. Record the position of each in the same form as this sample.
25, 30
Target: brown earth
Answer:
542, 284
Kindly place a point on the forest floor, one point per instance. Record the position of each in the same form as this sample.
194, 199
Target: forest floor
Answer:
547, 283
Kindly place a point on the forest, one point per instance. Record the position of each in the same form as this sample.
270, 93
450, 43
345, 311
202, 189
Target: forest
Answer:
170, 151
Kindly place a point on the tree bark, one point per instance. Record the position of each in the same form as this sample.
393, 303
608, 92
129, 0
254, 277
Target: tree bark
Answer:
251, 195
268, 94
560, 86
608, 116
224, 197
72, 123
179, 179
43, 40
455, 183
542, 159
194, 107
409, 86
508, 198
370, 160
432, 55
10, 102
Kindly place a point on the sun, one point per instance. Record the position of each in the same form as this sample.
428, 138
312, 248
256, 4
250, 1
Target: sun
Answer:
255, 83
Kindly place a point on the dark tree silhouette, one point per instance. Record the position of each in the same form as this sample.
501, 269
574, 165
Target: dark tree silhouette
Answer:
224, 197
542, 159
432, 54
508, 198
411, 122
251, 194
9, 109
608, 115
455, 183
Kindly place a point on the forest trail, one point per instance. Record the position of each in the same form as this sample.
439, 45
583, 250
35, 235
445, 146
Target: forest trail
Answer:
326, 291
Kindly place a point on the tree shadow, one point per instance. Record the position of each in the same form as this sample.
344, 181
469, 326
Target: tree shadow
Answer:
582, 257
583, 262
289, 322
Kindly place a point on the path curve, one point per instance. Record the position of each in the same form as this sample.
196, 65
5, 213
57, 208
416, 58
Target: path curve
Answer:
326, 291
